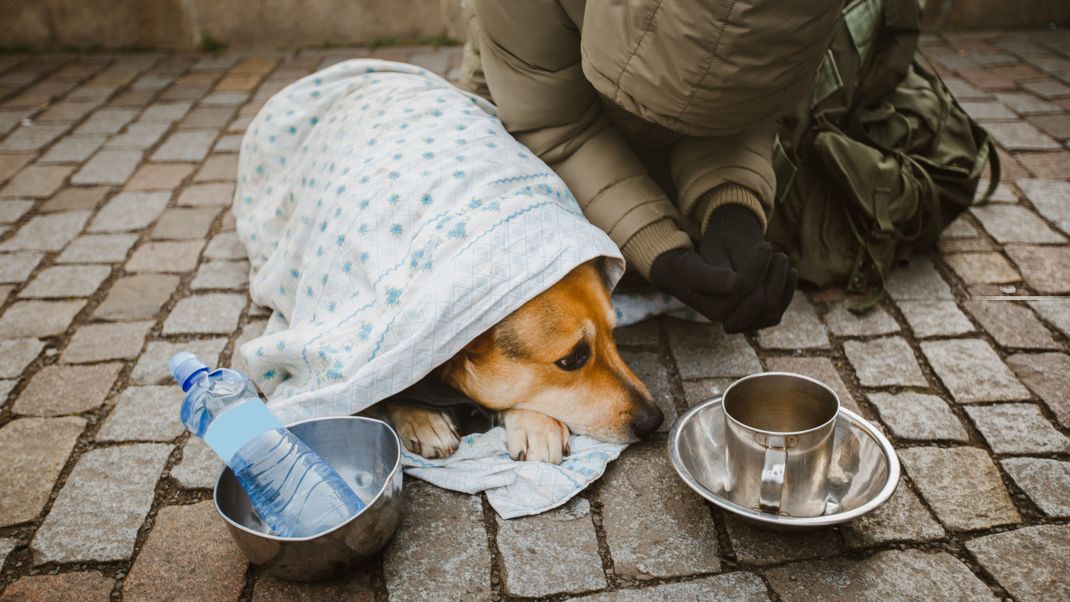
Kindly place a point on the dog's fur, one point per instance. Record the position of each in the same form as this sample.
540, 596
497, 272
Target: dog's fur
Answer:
529, 367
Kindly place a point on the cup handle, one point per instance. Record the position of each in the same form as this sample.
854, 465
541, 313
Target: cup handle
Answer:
772, 479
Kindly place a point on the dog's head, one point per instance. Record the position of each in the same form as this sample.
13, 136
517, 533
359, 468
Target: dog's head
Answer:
556, 355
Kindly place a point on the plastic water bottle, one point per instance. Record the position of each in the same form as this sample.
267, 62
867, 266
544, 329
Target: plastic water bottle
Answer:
292, 488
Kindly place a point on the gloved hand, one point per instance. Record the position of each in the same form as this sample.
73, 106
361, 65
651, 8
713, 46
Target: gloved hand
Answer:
736, 278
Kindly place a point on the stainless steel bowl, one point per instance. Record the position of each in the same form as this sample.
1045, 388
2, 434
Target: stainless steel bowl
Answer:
864, 470
367, 454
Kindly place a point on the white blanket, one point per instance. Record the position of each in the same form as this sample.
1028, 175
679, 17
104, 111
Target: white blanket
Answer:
390, 219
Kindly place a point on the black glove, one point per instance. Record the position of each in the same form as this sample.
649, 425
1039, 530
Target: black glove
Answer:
735, 278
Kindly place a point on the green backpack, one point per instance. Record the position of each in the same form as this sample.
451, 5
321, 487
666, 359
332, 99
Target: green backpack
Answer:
878, 161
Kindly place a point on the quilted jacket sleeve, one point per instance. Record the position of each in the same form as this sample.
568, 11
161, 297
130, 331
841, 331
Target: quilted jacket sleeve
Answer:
530, 52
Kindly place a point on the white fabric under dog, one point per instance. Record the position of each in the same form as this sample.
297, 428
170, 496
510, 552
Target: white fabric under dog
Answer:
390, 219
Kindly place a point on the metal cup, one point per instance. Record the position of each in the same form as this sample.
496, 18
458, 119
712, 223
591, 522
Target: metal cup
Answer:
779, 431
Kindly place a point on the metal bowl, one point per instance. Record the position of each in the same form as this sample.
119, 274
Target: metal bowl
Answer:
367, 454
864, 470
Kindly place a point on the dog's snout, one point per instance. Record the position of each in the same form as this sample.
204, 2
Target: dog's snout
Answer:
648, 421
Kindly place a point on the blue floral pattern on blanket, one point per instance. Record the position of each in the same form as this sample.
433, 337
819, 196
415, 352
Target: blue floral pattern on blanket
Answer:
390, 219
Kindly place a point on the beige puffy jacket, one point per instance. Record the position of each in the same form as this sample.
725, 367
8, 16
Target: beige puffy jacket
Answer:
636, 102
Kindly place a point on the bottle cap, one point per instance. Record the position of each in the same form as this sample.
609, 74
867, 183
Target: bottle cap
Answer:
184, 366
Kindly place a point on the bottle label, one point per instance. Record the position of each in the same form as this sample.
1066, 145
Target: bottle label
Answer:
237, 425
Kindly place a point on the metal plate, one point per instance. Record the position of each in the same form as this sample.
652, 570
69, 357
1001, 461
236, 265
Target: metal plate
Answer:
863, 474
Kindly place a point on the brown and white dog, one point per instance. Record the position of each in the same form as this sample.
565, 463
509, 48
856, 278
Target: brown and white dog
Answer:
551, 367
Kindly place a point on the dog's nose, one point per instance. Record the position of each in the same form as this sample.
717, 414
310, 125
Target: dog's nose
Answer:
647, 421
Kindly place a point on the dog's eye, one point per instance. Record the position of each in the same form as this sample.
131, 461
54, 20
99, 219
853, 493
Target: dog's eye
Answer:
576, 359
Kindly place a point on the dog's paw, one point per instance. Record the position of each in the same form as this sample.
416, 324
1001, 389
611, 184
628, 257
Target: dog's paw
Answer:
535, 437
430, 433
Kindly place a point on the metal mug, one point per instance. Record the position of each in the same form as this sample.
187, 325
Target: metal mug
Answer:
779, 431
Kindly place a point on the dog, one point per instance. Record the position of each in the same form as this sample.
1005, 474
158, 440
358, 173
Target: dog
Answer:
550, 368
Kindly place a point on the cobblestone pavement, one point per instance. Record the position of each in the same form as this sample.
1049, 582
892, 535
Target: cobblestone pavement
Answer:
116, 250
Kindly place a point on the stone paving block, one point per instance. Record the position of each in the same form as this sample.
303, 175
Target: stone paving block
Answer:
440, 549
820, 368
230, 143
655, 376
918, 280
108, 167
1012, 325
730, 587
1047, 88
218, 168
186, 146
1017, 428
11, 163
962, 485
884, 362
988, 110
38, 318
144, 414
58, 390
12, 210
704, 350
982, 268
137, 297
1050, 197
206, 117
679, 539
1031, 563
90, 248
6, 547
227, 246
1014, 223
32, 454
138, 136
224, 99
107, 121
67, 111
935, 318
185, 223
918, 416
901, 518
32, 137
1046, 269
88, 586
1046, 482
1048, 376
1055, 310
6, 387
199, 467
74, 149
130, 211
152, 368
554, 552
1020, 136
66, 281
1046, 164
98, 342
205, 314
17, 267
166, 256
73, 199
763, 547
49, 232
645, 333
164, 571
159, 176
207, 194
889, 575
97, 514
800, 328
231, 275
356, 586
845, 323
1056, 126
16, 354
972, 371
37, 181
166, 112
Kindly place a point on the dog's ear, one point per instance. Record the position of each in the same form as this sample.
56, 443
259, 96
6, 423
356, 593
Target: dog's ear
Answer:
603, 275
455, 369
